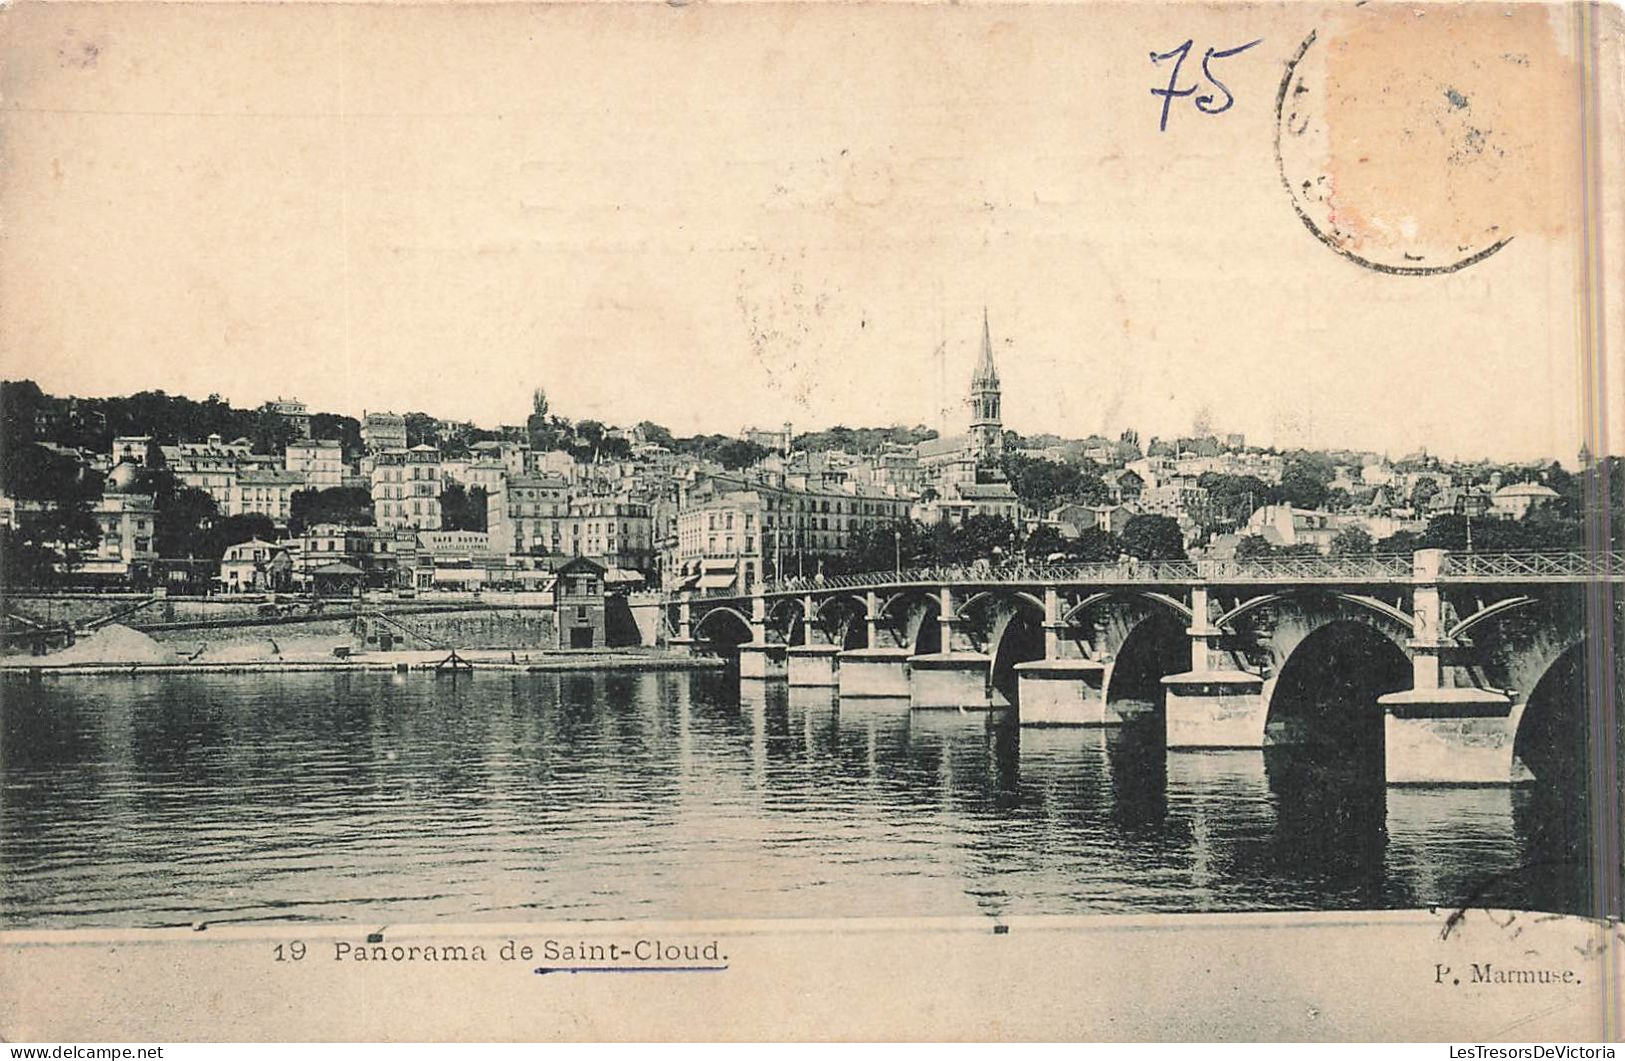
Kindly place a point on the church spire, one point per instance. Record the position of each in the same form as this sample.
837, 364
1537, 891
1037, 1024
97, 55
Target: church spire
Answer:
986, 427
985, 370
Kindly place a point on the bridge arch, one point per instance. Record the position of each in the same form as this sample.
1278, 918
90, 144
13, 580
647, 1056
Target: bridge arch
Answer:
1553, 738
1325, 691
1142, 647
841, 618
910, 617
784, 616
999, 595
1266, 630
1395, 618
715, 628
1014, 624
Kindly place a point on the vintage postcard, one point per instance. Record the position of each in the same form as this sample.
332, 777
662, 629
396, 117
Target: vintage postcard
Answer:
556, 521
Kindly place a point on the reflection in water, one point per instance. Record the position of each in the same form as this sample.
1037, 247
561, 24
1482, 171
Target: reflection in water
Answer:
167, 800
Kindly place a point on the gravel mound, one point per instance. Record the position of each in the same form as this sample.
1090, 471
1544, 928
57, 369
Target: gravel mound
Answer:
114, 644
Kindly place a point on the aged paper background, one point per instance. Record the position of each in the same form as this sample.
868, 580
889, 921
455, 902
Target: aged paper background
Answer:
713, 214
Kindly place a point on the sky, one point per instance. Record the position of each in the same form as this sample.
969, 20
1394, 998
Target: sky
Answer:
720, 216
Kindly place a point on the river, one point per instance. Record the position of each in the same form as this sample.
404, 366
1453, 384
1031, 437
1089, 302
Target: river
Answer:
393, 798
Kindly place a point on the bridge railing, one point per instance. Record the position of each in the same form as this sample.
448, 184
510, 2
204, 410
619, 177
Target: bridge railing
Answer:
1537, 565
1384, 568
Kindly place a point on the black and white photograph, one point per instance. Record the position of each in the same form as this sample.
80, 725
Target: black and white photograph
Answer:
811, 521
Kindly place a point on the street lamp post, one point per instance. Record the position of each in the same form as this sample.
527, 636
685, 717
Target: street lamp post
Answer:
897, 543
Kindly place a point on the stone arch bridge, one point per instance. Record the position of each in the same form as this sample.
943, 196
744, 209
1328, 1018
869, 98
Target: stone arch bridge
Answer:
1450, 647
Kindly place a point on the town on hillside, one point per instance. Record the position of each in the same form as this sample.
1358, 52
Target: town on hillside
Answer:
155, 491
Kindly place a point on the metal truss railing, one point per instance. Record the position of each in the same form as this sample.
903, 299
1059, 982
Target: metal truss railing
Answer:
1533, 566
1387, 569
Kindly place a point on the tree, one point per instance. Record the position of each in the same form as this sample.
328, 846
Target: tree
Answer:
1232, 498
1154, 538
1400, 542
271, 433
656, 434
422, 430
344, 505
1095, 546
736, 453
1301, 487
1044, 540
1254, 547
1424, 491
461, 508
975, 538
185, 515
879, 548
345, 430
1353, 540
232, 530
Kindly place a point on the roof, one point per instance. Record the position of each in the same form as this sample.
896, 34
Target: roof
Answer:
986, 371
935, 446
269, 477
986, 492
1526, 490
580, 563
337, 569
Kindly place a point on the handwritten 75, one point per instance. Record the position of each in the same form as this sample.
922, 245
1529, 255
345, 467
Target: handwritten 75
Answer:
1206, 102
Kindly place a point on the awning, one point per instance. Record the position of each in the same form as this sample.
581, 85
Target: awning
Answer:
711, 566
687, 582
338, 570
717, 581
621, 576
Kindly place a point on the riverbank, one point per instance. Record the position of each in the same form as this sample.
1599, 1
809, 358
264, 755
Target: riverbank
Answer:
533, 661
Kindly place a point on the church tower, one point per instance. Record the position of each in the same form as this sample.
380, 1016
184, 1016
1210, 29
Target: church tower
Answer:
986, 425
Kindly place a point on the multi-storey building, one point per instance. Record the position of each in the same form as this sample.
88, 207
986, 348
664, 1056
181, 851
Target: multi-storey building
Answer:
383, 431
267, 491
616, 533
513, 456
406, 488
131, 448
764, 527
294, 411
211, 466
1180, 498
375, 554
320, 460
527, 513
127, 522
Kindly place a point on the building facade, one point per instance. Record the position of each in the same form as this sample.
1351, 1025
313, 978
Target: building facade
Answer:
267, 491
320, 461
383, 431
406, 489
527, 514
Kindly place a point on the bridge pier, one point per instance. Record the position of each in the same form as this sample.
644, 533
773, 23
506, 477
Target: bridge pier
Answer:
954, 677
683, 643
1210, 705
1214, 709
1063, 692
762, 660
1450, 737
870, 672
1059, 690
811, 665
949, 679
1435, 733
